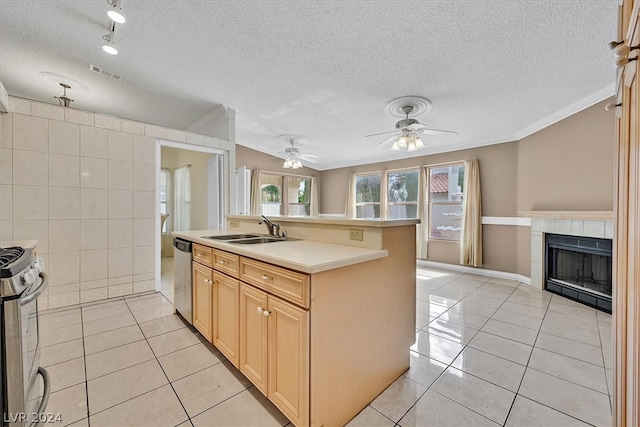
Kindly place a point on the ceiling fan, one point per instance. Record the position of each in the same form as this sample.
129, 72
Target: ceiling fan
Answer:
408, 130
293, 157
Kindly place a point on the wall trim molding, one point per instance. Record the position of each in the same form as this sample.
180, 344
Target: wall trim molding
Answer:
483, 272
506, 220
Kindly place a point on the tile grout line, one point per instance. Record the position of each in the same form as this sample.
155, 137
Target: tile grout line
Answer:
84, 362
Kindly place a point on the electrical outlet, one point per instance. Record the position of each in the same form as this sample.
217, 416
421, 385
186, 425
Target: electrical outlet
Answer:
234, 223
355, 235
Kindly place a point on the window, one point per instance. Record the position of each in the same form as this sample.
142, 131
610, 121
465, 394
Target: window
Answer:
286, 195
402, 194
445, 201
368, 195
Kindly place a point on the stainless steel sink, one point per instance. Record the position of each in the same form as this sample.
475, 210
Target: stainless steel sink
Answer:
226, 237
256, 240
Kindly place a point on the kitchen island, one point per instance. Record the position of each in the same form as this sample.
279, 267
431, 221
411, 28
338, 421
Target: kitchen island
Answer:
321, 328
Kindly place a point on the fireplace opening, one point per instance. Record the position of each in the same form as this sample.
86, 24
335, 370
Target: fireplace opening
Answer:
580, 268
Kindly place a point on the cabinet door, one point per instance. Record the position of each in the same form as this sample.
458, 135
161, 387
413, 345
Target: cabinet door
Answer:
225, 316
202, 288
253, 336
288, 359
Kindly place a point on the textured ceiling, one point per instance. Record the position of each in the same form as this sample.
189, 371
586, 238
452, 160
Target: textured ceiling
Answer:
494, 70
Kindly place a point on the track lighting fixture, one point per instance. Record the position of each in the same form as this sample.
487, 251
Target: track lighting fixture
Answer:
115, 13
109, 45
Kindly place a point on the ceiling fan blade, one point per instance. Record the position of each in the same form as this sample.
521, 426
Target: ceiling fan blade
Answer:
418, 127
386, 141
382, 133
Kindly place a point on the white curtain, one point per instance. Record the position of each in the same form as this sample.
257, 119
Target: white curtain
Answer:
314, 198
422, 229
471, 240
256, 193
182, 200
350, 202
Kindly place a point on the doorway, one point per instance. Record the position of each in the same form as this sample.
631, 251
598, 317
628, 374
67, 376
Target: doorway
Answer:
190, 197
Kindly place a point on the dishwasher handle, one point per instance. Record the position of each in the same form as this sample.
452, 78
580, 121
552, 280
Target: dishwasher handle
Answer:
182, 245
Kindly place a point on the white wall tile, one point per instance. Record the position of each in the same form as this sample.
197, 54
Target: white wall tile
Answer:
6, 230
93, 284
144, 149
33, 230
120, 290
43, 302
107, 122
120, 204
30, 202
120, 280
194, 138
227, 145
144, 259
93, 234
155, 131
64, 235
609, 229
144, 286
594, 228
80, 117
93, 265
120, 233
88, 295
64, 203
94, 142
64, 289
120, 175
132, 127
30, 133
64, 170
64, 268
64, 138
30, 168
144, 232
212, 142
562, 226
93, 203
6, 203
143, 276
176, 135
144, 204
48, 111
19, 105
120, 262
6, 130
577, 227
63, 300
6, 166
120, 146
93, 172
144, 177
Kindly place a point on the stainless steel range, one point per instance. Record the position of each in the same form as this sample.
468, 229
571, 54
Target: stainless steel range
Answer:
22, 280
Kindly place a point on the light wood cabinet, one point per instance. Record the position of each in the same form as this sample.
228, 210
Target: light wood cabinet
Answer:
202, 299
226, 293
274, 350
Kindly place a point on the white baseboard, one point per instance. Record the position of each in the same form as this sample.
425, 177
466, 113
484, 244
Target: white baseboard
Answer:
483, 272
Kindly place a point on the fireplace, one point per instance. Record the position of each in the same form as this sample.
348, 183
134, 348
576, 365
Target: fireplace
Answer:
579, 268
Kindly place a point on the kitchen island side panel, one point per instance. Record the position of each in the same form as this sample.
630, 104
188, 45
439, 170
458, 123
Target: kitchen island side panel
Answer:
362, 327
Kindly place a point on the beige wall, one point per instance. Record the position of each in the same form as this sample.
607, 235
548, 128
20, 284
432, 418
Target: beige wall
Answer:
253, 160
84, 186
566, 166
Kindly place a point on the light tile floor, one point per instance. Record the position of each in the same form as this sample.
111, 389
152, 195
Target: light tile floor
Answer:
488, 351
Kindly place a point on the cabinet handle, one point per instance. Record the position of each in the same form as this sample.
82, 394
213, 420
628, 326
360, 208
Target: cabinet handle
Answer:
209, 281
223, 262
200, 254
259, 309
265, 277
266, 313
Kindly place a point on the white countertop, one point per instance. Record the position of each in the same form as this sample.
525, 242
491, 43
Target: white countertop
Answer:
332, 220
306, 256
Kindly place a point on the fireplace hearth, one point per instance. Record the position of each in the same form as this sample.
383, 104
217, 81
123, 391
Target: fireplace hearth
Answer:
580, 268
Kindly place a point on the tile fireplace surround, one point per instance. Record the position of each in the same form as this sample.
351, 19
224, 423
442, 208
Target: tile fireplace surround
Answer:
571, 223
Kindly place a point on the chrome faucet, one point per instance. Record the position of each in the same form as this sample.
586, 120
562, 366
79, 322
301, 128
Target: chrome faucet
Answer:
272, 227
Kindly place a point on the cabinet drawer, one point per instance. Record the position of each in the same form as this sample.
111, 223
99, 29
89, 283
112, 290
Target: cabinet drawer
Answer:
203, 255
226, 262
290, 285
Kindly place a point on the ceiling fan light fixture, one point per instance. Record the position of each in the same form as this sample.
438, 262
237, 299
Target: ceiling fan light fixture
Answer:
411, 146
419, 143
115, 13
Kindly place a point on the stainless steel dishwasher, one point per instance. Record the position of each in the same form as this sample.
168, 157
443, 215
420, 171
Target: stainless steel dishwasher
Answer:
182, 283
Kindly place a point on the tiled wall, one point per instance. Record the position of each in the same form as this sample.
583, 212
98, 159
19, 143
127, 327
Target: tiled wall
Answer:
83, 185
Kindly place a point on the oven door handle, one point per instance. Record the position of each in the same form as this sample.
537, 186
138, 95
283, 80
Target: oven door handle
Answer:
39, 290
45, 393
